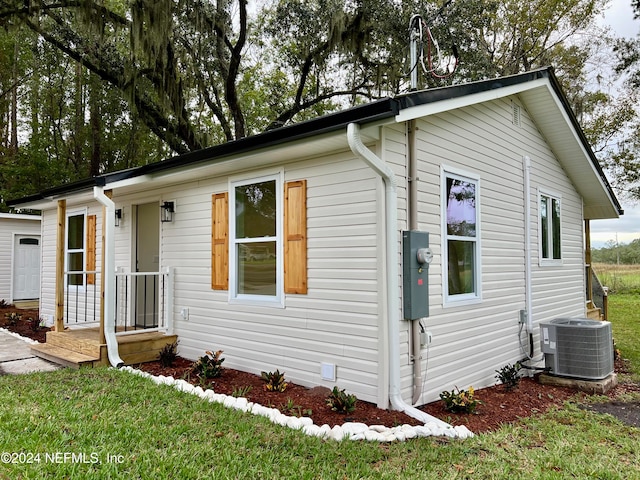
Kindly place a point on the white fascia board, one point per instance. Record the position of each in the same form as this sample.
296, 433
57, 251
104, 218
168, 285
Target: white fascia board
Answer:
129, 182
427, 109
19, 216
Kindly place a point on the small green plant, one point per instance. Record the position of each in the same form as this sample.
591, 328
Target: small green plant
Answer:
460, 401
208, 366
509, 375
296, 410
241, 391
36, 324
274, 381
341, 402
12, 318
168, 354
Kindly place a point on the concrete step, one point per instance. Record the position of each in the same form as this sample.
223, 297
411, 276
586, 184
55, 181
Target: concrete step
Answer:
63, 356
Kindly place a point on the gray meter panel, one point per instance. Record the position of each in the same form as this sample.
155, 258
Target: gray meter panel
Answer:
416, 256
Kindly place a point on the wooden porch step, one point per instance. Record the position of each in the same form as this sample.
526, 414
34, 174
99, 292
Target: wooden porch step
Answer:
63, 356
83, 341
594, 313
142, 347
79, 347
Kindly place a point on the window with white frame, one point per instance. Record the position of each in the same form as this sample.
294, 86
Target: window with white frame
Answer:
461, 235
550, 228
256, 240
75, 248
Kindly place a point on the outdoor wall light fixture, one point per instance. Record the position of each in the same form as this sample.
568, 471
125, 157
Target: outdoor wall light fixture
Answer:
118, 217
166, 211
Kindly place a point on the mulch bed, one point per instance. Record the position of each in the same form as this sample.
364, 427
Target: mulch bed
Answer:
497, 407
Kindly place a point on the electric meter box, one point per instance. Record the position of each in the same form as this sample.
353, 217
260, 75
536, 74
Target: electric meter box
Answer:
416, 256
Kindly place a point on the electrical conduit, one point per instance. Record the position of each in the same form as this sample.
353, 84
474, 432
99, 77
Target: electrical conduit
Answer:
413, 225
109, 276
527, 250
391, 256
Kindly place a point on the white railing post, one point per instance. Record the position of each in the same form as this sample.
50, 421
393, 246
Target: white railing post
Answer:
169, 301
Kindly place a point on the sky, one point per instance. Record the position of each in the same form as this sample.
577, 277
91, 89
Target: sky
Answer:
619, 17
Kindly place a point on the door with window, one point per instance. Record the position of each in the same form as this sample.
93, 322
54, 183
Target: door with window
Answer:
26, 267
147, 260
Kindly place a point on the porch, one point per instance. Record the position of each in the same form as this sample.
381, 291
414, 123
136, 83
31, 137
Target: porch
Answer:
142, 326
83, 348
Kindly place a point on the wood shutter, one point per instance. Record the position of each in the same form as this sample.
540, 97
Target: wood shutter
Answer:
91, 249
220, 241
295, 237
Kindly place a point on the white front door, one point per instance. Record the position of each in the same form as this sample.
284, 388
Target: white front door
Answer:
26, 267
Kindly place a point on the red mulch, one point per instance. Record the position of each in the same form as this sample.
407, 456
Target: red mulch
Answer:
27, 326
498, 406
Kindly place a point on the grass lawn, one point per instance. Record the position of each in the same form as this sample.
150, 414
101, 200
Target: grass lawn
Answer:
103, 423
623, 312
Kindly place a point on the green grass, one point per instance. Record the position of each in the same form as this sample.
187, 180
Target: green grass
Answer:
619, 278
152, 431
158, 432
623, 313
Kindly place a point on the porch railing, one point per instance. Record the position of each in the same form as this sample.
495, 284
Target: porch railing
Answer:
144, 300
82, 298
599, 293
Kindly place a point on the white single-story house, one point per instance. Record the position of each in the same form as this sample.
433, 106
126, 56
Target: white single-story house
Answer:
19, 257
395, 249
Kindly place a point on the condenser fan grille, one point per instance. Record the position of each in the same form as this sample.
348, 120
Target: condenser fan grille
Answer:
580, 348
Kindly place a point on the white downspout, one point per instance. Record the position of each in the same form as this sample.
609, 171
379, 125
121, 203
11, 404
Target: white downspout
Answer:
109, 277
393, 287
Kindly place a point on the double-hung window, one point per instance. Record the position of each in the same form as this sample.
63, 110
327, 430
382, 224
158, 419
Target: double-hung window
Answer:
550, 229
461, 235
255, 240
259, 240
75, 251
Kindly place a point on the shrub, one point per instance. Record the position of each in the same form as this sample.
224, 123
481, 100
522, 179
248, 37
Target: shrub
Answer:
274, 381
460, 401
168, 354
341, 402
12, 318
36, 324
509, 375
208, 366
295, 410
241, 391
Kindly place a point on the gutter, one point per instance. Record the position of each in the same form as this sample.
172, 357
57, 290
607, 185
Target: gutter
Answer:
109, 277
391, 258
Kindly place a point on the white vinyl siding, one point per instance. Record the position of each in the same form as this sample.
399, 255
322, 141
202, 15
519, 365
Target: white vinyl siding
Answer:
10, 226
475, 340
336, 321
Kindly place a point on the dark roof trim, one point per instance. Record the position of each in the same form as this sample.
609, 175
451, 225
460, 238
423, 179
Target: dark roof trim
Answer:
447, 93
378, 110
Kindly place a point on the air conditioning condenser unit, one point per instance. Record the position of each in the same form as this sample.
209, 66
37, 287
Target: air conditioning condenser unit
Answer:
577, 347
